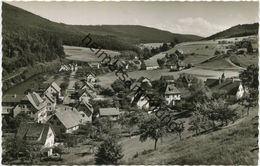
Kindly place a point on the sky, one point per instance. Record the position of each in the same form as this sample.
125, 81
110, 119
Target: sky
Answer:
198, 18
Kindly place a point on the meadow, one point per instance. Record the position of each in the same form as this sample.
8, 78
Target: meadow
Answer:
232, 145
85, 54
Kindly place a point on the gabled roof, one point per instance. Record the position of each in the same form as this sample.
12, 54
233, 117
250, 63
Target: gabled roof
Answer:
108, 111
68, 116
49, 97
56, 87
38, 131
12, 98
171, 89
86, 104
36, 100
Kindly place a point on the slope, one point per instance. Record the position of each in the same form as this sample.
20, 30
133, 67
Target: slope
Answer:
236, 31
232, 145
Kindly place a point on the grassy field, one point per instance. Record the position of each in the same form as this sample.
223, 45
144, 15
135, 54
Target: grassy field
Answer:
107, 79
244, 60
232, 144
85, 54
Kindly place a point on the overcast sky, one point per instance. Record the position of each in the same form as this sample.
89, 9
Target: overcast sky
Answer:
199, 18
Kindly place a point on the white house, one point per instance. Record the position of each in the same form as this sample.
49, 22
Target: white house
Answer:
141, 101
33, 105
172, 94
37, 133
91, 78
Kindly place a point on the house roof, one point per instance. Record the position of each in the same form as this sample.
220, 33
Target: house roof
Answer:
55, 86
36, 100
68, 116
210, 82
85, 102
171, 89
108, 111
12, 98
50, 97
167, 77
36, 130
228, 86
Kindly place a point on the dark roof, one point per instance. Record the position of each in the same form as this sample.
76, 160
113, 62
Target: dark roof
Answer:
171, 89
108, 111
167, 77
50, 97
38, 131
211, 82
228, 86
12, 98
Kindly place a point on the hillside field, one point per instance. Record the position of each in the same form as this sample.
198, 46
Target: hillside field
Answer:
85, 54
232, 145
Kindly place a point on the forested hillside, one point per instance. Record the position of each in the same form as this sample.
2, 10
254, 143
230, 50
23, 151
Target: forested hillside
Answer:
236, 31
29, 39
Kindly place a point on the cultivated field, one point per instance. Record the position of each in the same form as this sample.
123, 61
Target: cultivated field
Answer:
85, 54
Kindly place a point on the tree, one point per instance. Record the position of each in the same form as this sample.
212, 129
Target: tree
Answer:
161, 62
164, 47
109, 152
249, 77
118, 86
152, 128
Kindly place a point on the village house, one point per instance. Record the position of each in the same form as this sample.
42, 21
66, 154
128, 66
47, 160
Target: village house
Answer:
37, 134
172, 94
111, 113
140, 100
94, 65
151, 64
89, 88
33, 105
168, 79
7, 111
50, 101
231, 87
53, 89
86, 110
91, 78
66, 120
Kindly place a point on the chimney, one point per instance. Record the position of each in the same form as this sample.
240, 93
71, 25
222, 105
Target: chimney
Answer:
14, 95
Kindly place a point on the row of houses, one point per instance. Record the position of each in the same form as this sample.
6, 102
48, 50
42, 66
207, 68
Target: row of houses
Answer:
231, 87
52, 120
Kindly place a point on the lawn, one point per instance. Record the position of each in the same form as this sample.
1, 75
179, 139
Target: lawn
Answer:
85, 54
232, 145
